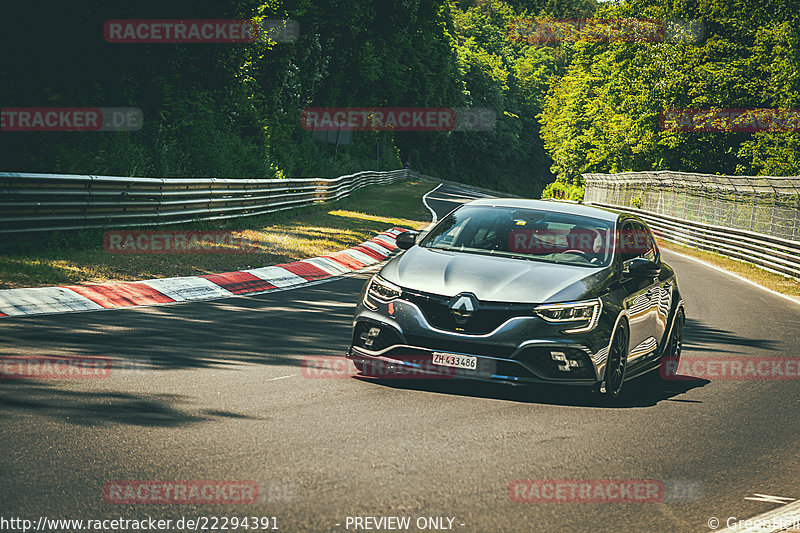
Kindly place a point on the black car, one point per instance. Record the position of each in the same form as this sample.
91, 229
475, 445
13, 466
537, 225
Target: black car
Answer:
523, 292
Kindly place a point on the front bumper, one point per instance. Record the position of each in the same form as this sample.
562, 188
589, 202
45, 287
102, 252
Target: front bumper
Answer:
522, 350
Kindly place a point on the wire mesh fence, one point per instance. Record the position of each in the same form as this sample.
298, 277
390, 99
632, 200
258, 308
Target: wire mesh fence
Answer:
759, 204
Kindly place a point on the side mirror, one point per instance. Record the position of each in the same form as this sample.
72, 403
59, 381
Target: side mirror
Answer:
406, 240
641, 268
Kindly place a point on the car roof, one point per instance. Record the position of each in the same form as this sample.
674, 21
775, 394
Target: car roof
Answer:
549, 205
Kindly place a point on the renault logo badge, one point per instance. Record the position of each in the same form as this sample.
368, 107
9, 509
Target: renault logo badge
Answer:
462, 308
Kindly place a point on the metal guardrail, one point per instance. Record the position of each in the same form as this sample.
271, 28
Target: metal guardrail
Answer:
49, 202
748, 218
774, 254
467, 186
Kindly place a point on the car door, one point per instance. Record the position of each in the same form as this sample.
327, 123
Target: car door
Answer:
661, 292
641, 295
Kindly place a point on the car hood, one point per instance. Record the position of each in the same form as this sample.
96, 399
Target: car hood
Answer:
493, 279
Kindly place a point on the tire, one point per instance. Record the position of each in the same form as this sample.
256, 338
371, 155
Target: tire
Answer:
673, 349
617, 361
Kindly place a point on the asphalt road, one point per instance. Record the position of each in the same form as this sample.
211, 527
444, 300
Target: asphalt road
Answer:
215, 391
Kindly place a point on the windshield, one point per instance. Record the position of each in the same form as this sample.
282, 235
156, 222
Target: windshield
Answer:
527, 234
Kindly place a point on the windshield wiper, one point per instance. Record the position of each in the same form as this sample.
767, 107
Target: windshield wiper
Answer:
447, 248
497, 253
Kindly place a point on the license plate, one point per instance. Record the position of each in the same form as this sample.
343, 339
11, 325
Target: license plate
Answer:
454, 360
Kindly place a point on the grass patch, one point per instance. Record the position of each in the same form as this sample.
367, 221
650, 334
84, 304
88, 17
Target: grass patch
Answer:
60, 258
770, 280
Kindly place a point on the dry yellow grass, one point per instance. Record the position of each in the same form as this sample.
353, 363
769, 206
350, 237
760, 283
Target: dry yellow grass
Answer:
776, 282
281, 237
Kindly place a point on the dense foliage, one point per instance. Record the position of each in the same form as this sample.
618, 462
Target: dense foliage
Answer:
603, 114
234, 110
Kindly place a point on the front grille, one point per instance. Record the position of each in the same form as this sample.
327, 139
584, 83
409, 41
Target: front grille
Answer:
465, 347
486, 318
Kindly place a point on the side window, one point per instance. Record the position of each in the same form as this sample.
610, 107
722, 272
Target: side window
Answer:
627, 242
652, 249
637, 241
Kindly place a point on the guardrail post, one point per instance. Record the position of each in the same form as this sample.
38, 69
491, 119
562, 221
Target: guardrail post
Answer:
772, 215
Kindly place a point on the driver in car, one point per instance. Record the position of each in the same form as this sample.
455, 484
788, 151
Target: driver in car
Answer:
585, 241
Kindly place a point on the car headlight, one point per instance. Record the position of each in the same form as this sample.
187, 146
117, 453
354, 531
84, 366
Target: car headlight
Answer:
381, 290
584, 314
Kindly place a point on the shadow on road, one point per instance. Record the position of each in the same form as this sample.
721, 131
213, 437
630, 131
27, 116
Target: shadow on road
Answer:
276, 329
270, 329
95, 409
699, 336
645, 391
